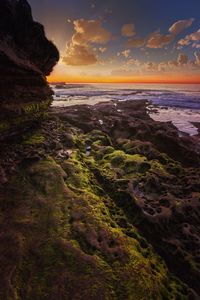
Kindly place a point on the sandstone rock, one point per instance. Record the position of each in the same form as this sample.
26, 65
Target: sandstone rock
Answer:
26, 57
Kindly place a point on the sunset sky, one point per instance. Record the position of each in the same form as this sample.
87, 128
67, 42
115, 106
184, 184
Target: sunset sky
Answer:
123, 40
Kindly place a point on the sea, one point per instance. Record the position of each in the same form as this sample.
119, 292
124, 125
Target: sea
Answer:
176, 103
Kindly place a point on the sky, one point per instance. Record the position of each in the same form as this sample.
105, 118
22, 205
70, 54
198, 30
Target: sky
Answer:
123, 40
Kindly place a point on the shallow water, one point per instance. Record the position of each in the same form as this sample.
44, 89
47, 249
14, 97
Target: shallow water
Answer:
177, 103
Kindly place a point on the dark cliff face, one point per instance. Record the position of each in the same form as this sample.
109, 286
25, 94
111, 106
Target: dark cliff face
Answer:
26, 57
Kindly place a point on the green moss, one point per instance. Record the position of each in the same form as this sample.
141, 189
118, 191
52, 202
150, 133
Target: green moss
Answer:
4, 125
35, 139
124, 163
158, 168
47, 176
100, 137
78, 238
28, 108
136, 163
100, 151
35, 107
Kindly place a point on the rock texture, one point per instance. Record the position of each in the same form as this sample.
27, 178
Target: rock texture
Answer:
26, 57
119, 223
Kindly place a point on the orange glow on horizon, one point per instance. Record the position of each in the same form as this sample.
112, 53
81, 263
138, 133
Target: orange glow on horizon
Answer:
146, 79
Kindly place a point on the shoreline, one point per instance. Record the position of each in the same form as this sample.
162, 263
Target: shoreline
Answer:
155, 111
135, 165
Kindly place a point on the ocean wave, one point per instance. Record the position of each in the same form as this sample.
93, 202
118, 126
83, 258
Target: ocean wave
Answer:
187, 98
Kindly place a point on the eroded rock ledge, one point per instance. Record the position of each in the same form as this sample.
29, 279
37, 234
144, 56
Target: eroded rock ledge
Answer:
26, 57
119, 223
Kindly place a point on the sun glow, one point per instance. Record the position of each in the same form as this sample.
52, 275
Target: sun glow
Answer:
116, 79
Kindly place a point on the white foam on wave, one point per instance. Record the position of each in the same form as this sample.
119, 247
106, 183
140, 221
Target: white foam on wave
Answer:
181, 118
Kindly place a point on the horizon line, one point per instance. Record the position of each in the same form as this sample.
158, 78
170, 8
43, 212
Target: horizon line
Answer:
118, 82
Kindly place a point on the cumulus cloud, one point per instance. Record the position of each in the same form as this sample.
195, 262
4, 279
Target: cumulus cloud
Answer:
182, 59
184, 42
79, 55
91, 31
136, 42
197, 58
150, 66
133, 62
179, 26
179, 65
126, 53
158, 40
195, 36
128, 30
87, 32
172, 63
102, 49
184, 63
191, 38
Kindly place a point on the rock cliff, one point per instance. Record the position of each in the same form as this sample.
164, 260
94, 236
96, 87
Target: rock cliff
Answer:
26, 57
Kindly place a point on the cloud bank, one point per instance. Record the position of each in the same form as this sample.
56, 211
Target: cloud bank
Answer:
128, 30
158, 40
179, 26
193, 38
87, 32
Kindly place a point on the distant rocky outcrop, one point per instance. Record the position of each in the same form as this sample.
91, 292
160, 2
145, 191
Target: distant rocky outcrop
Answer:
26, 57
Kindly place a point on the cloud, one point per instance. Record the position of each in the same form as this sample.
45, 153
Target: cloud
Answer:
87, 33
179, 26
128, 30
126, 53
102, 49
197, 46
150, 66
191, 38
195, 36
136, 42
184, 42
172, 63
197, 58
158, 40
182, 64
79, 55
91, 31
182, 59
133, 62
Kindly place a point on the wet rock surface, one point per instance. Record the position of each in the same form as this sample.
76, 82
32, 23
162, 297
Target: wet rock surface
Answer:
119, 222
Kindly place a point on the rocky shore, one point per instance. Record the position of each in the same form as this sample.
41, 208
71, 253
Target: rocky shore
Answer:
120, 221
96, 202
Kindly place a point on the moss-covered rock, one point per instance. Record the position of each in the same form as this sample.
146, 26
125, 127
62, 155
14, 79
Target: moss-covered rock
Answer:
114, 223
